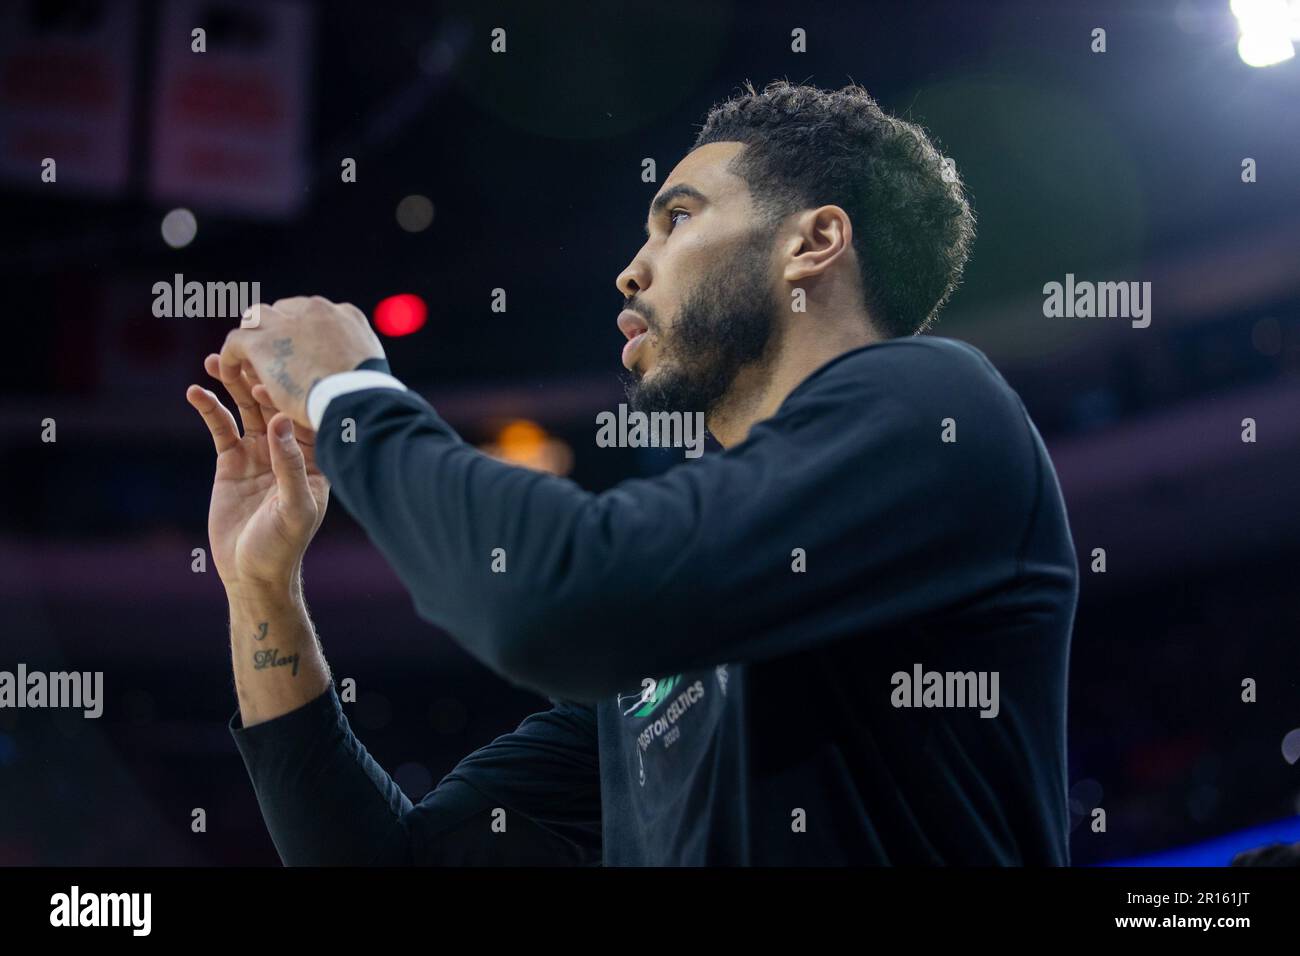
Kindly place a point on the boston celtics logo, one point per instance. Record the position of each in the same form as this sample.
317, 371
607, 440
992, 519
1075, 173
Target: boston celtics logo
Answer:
653, 693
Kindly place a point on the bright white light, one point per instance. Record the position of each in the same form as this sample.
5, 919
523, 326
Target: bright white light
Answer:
1267, 29
1259, 9
1257, 49
179, 227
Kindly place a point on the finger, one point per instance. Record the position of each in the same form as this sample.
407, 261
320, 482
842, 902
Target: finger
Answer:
234, 351
290, 470
212, 365
306, 436
218, 418
267, 411
232, 377
260, 395
244, 346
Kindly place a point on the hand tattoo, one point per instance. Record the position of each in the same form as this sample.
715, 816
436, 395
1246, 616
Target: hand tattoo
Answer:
283, 349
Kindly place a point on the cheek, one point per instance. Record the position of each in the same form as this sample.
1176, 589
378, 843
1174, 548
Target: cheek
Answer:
662, 335
687, 256
690, 256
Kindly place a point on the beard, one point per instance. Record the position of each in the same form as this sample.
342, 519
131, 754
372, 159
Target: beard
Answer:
726, 324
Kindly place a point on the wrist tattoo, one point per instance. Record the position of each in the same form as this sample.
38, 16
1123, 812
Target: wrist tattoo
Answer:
264, 659
261, 630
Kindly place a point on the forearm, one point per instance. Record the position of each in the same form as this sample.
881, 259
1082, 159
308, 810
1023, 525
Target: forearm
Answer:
277, 660
324, 799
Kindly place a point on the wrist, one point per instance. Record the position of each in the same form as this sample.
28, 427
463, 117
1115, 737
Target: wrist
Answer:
286, 593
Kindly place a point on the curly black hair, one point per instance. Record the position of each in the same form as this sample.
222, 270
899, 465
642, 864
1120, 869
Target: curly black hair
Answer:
806, 147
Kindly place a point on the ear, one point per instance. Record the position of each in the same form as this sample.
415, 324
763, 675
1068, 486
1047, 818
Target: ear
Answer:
821, 237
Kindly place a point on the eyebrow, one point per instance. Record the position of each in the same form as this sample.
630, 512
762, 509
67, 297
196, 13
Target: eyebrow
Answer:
668, 195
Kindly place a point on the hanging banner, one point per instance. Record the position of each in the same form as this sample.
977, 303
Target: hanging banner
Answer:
65, 94
230, 106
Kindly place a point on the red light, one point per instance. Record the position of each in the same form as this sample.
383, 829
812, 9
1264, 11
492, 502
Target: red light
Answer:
400, 314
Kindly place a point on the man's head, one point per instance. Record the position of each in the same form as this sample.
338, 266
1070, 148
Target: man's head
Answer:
791, 187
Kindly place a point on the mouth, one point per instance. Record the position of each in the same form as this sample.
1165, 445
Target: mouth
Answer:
635, 328
629, 350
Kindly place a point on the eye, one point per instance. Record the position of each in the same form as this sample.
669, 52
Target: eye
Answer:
672, 217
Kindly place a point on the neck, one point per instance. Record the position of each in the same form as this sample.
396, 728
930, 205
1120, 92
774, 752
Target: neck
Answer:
760, 389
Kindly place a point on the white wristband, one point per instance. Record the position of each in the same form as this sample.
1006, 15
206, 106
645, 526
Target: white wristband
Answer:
332, 386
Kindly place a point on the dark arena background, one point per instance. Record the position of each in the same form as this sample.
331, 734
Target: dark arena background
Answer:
493, 199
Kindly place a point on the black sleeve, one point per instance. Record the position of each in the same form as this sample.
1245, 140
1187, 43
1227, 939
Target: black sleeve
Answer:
530, 797
699, 565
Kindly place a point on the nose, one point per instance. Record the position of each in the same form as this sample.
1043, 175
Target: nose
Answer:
635, 278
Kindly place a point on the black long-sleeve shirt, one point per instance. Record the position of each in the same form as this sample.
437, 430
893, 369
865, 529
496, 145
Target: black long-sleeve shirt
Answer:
727, 646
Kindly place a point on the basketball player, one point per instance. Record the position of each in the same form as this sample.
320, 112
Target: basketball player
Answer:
841, 640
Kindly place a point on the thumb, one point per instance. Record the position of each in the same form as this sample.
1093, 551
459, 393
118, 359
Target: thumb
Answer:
290, 470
